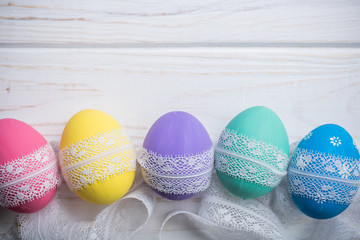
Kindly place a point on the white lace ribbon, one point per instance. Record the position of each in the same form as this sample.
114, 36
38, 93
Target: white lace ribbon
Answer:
29, 177
221, 216
224, 216
97, 158
176, 175
245, 158
324, 177
115, 221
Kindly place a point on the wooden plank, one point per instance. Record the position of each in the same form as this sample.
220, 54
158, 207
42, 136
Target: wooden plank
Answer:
306, 87
225, 22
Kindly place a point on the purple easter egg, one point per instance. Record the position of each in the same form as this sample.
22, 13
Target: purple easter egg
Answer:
176, 159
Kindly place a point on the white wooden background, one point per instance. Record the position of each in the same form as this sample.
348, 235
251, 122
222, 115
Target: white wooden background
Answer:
137, 60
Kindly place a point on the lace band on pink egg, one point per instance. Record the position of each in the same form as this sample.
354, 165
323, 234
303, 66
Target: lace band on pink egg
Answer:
176, 175
29, 177
97, 158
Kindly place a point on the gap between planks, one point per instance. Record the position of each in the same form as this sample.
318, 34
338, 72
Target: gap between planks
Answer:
188, 45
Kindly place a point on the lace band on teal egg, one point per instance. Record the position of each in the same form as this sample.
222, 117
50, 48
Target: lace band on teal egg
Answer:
249, 159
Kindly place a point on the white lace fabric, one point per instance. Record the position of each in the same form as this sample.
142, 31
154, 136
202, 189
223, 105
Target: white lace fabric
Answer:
224, 216
176, 175
97, 158
183, 185
29, 177
175, 166
228, 211
119, 220
116, 221
221, 216
323, 177
245, 158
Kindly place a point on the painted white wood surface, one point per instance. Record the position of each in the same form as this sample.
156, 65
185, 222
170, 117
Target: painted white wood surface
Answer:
179, 22
305, 86
137, 60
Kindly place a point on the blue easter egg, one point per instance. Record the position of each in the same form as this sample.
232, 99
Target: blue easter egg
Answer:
324, 172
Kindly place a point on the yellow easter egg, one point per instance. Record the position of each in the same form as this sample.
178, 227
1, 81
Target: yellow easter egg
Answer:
96, 158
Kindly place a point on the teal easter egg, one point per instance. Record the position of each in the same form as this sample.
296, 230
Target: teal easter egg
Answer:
252, 154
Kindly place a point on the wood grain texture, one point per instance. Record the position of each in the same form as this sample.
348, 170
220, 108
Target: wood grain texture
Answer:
137, 60
306, 87
199, 22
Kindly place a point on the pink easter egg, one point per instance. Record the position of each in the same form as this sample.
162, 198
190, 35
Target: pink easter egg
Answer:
28, 168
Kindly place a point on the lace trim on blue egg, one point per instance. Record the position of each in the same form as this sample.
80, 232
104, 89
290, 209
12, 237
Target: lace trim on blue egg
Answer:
323, 177
321, 190
245, 158
322, 164
176, 175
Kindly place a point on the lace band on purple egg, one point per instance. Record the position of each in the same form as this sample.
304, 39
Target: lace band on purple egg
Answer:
324, 177
97, 158
29, 177
242, 157
176, 175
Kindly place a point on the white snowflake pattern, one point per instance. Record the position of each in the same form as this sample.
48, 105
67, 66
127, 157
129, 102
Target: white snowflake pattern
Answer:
308, 136
116, 160
302, 188
336, 141
280, 158
320, 198
332, 194
303, 161
24, 188
20, 195
330, 169
251, 169
111, 168
352, 193
86, 171
101, 140
326, 188
225, 214
93, 236
222, 162
83, 180
300, 164
344, 169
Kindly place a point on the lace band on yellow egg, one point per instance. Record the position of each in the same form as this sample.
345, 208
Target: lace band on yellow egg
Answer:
97, 158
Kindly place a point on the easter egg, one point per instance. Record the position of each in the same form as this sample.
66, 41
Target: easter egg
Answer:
96, 158
252, 154
324, 172
28, 168
176, 159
